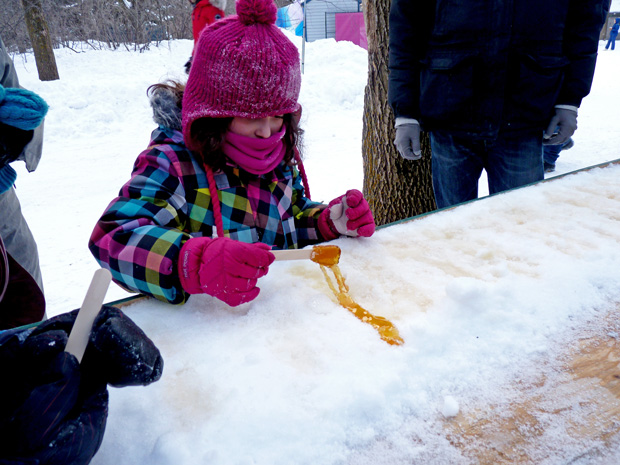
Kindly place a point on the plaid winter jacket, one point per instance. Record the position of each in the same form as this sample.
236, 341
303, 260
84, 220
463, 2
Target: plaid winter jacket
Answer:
167, 201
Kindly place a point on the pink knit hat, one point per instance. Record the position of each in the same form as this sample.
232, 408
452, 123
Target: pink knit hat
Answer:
244, 66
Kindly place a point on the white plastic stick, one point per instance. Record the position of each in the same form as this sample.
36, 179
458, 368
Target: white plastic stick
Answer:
293, 254
78, 339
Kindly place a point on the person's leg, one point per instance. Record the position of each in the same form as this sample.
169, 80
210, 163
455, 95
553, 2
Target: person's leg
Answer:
613, 41
457, 166
550, 155
17, 237
514, 162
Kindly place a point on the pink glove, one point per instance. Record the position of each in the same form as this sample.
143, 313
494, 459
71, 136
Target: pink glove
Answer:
348, 215
223, 268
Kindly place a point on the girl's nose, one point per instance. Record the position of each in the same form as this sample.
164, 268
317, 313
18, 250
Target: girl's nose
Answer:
263, 128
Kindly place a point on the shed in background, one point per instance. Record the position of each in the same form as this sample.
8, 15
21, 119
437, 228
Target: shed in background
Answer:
321, 16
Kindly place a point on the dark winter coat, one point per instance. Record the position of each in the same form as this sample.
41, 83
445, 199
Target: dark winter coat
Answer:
478, 67
21, 299
13, 227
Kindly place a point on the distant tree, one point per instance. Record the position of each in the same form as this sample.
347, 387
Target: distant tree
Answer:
39, 34
134, 24
12, 27
395, 188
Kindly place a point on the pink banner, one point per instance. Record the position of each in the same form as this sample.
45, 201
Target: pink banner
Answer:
351, 27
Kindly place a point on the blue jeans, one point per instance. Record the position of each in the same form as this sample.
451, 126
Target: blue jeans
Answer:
612, 41
458, 163
551, 153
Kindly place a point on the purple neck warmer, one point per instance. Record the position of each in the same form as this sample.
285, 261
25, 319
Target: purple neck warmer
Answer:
255, 155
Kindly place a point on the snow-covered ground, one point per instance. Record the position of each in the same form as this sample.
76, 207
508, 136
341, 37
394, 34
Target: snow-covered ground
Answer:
481, 294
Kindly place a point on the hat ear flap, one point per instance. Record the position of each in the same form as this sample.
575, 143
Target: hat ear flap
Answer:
297, 114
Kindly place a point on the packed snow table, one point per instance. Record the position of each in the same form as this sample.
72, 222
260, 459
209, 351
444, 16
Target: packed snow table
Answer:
508, 308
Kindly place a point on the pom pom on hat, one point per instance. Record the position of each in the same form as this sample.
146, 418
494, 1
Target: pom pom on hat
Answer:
21, 108
257, 11
243, 66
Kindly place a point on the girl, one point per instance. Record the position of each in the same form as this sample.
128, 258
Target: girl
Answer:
221, 182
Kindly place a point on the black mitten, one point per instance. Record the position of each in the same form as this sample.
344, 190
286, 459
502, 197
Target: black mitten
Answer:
118, 352
122, 352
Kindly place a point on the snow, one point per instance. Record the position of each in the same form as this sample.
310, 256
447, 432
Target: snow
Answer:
450, 407
484, 294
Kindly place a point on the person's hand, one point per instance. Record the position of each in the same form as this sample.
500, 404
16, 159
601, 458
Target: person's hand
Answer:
561, 127
347, 215
223, 268
21, 111
53, 409
407, 141
118, 351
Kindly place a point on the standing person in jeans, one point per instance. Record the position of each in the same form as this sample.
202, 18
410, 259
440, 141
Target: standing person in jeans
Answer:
20, 139
487, 79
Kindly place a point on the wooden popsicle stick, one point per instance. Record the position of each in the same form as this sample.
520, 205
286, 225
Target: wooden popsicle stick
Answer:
78, 339
293, 254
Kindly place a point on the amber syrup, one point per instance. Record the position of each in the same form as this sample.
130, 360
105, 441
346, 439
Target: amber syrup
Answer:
328, 256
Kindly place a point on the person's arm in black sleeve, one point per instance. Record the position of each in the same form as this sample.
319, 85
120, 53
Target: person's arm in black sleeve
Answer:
411, 24
584, 22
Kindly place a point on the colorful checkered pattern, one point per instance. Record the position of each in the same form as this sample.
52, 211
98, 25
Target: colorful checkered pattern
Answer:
167, 201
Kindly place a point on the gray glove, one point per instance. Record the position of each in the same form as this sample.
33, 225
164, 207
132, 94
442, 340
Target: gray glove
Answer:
407, 141
561, 127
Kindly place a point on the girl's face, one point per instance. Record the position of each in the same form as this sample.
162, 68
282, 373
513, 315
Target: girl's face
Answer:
257, 128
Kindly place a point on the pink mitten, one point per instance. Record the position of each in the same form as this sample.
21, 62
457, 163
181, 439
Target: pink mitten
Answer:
348, 215
223, 268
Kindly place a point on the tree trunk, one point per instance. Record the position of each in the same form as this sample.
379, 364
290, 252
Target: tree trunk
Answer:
394, 187
41, 40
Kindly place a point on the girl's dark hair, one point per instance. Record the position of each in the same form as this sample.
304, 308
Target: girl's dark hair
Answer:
209, 133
